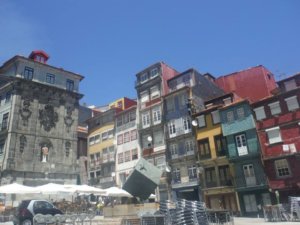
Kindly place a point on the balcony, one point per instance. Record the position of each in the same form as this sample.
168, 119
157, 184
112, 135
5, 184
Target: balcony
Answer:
210, 184
106, 180
185, 182
226, 182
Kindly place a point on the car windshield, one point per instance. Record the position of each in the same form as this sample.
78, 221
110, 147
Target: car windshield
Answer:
42, 205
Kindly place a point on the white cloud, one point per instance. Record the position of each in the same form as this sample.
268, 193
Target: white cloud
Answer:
19, 35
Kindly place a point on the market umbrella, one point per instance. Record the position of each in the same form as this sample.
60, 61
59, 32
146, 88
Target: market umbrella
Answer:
17, 189
116, 192
52, 188
84, 189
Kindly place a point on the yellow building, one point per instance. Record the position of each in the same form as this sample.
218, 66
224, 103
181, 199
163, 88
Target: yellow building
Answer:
101, 149
216, 172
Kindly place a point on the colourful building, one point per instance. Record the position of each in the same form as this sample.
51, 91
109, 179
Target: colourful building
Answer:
278, 122
217, 174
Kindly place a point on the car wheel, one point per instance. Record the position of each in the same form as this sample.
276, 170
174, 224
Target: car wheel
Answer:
26, 222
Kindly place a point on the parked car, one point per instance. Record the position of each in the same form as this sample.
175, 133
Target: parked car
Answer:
29, 208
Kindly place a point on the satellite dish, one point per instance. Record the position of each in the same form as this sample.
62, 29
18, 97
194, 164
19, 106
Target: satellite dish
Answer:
149, 138
194, 123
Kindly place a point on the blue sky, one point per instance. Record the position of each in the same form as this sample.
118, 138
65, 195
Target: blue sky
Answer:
110, 41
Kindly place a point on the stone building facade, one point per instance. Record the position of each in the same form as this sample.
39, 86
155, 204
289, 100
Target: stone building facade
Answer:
39, 114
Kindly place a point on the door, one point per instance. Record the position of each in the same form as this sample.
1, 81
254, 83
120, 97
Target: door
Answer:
249, 175
241, 143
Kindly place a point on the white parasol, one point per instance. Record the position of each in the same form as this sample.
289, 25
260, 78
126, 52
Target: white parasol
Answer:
17, 189
116, 192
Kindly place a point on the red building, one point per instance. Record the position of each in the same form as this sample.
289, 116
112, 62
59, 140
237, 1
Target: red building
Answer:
278, 126
253, 84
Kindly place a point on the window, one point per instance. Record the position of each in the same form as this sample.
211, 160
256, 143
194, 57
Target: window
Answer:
143, 77
274, 135
189, 147
186, 80
183, 99
127, 156
119, 121
132, 115
146, 119
104, 136
156, 115
170, 105
260, 113
120, 158
227, 101
172, 129
1, 148
186, 124
126, 118
250, 203
133, 135
161, 162
97, 138
176, 175
221, 145
241, 144
292, 103
173, 85
110, 133
215, 116
154, 92
4, 121
224, 176
134, 154
145, 142
204, 149
70, 85
230, 117
290, 85
91, 140
120, 139
144, 97
173, 150
158, 137
154, 72
7, 97
192, 171
282, 168
240, 113
210, 177
50, 78
126, 137
275, 108
28, 73
201, 121
249, 175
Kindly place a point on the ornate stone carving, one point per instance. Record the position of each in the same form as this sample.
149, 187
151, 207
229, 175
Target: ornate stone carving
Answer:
25, 112
23, 143
48, 117
68, 118
45, 145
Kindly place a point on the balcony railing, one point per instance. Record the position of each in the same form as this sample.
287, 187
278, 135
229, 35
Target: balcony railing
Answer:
211, 184
106, 179
226, 182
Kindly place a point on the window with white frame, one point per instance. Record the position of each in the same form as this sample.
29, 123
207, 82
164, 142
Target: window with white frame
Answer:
192, 171
156, 112
146, 119
143, 77
230, 116
161, 162
215, 116
104, 136
183, 99
201, 121
275, 108
154, 72
172, 128
126, 137
292, 103
92, 140
120, 139
186, 80
260, 113
133, 135
144, 96
274, 135
282, 168
119, 121
158, 137
125, 118
241, 144
240, 113
174, 150
132, 115
127, 156
97, 138
176, 175
189, 146
154, 92
186, 124
250, 203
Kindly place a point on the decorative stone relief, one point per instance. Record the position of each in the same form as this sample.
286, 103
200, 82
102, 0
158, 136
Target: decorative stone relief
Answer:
48, 117
45, 145
68, 118
23, 143
25, 112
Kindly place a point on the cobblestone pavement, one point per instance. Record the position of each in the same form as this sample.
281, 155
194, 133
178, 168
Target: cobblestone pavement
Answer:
260, 221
